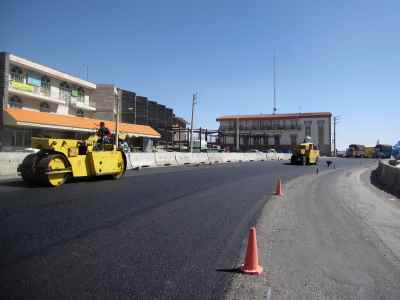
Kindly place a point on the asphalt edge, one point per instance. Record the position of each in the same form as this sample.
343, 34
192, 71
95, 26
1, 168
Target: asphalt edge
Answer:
253, 287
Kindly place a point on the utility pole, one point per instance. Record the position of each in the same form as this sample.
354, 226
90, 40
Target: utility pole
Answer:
274, 83
116, 116
194, 102
336, 120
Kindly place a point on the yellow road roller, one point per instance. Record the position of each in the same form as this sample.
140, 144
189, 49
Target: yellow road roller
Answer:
305, 154
61, 159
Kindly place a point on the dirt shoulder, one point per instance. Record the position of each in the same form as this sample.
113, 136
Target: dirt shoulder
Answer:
332, 236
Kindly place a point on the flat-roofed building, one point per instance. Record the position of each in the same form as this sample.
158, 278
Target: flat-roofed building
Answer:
278, 131
36, 100
134, 109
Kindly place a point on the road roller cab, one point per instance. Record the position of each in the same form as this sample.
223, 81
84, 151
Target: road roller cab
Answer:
60, 159
305, 154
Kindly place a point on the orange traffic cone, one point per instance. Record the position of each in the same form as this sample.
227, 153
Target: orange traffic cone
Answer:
251, 265
279, 188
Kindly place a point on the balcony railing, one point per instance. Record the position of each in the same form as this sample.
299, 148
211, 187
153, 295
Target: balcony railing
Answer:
38, 90
287, 127
18, 77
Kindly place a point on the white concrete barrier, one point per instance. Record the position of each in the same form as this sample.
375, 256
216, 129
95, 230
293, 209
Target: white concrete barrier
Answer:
9, 162
165, 159
215, 158
200, 158
283, 156
139, 160
184, 158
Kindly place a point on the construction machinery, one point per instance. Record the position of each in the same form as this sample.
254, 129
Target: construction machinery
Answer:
61, 159
305, 154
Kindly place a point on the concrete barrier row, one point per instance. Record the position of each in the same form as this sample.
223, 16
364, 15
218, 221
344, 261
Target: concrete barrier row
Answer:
388, 177
9, 161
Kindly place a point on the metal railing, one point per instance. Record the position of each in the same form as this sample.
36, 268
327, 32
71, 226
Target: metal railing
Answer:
18, 77
38, 90
287, 127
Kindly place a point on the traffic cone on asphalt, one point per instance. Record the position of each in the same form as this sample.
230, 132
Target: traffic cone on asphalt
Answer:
279, 188
251, 265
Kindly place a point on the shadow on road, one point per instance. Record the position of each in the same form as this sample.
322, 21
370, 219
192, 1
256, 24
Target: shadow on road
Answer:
233, 270
17, 183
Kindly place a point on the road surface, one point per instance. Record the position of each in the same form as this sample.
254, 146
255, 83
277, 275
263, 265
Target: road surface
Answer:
165, 233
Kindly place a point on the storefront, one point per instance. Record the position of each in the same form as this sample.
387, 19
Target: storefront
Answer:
21, 125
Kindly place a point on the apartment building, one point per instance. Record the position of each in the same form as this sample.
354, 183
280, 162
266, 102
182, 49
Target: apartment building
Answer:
278, 131
36, 100
133, 109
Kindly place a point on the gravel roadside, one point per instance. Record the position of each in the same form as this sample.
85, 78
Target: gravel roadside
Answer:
332, 236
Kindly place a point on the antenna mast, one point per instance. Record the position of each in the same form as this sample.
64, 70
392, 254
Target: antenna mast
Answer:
274, 82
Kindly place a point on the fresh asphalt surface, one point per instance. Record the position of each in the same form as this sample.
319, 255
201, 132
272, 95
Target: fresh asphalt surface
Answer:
163, 233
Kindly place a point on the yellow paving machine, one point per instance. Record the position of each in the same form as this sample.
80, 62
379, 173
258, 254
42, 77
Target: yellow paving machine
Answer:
305, 154
60, 159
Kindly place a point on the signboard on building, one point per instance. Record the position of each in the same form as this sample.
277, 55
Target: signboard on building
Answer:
22, 86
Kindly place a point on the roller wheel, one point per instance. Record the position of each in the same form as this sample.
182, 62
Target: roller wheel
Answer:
28, 168
49, 163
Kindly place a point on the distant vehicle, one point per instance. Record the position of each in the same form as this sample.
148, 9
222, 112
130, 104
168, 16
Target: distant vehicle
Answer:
383, 151
272, 150
370, 152
305, 154
340, 153
355, 150
396, 151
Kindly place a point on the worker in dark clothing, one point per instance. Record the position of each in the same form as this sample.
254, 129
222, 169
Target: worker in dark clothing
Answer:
104, 134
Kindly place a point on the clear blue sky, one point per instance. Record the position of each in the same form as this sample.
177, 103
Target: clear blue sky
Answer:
337, 56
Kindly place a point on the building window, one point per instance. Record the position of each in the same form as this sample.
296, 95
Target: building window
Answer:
293, 139
44, 107
22, 138
15, 102
277, 140
16, 74
266, 140
256, 124
307, 125
293, 124
45, 86
65, 91
81, 94
78, 93
80, 113
321, 137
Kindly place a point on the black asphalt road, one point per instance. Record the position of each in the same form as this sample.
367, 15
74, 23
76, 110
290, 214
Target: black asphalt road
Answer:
154, 234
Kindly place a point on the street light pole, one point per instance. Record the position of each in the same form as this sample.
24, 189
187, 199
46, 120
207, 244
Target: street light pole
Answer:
116, 117
194, 102
335, 122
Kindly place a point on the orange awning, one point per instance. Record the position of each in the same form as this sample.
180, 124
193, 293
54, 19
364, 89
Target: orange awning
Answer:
23, 117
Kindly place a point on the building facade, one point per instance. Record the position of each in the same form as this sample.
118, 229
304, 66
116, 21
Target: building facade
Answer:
134, 109
36, 100
279, 131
